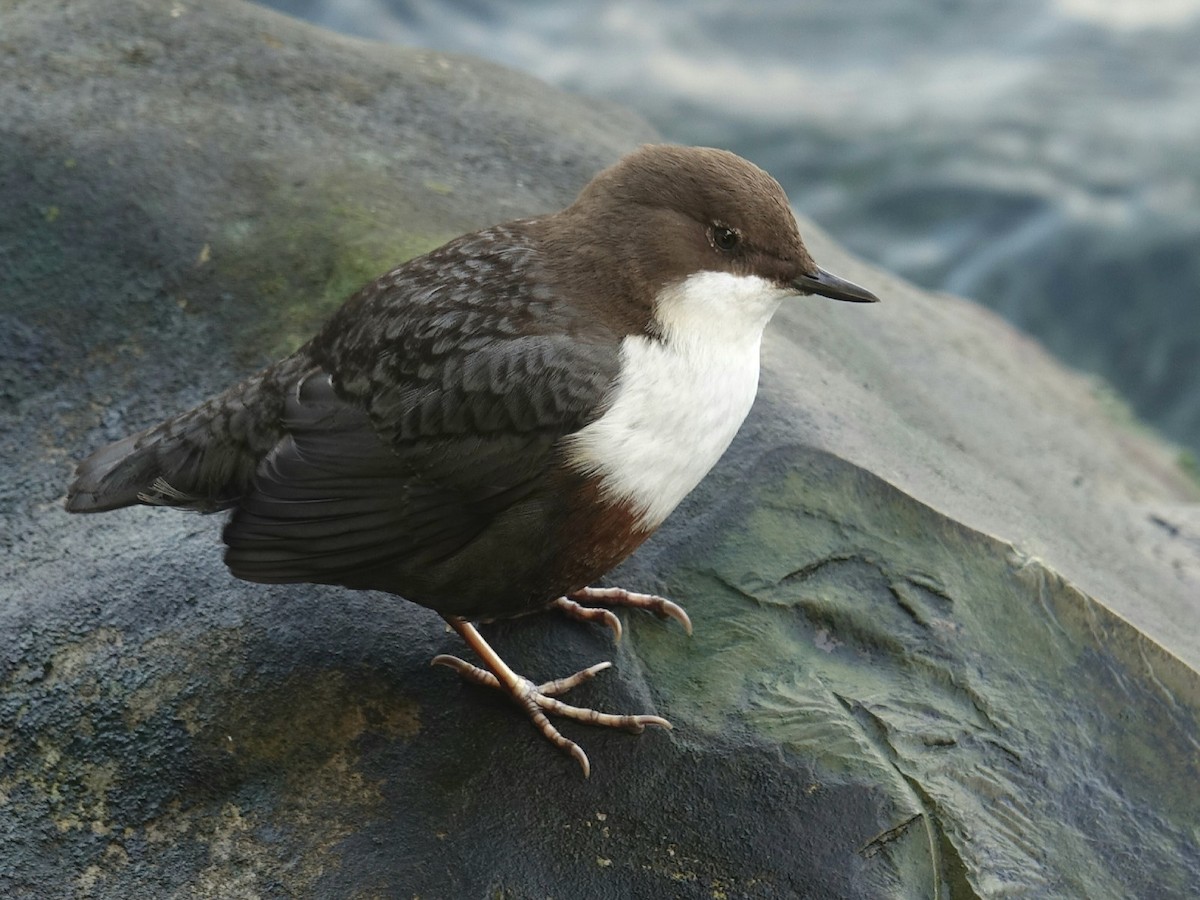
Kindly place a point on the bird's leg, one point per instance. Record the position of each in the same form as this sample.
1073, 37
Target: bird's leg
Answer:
538, 699
588, 605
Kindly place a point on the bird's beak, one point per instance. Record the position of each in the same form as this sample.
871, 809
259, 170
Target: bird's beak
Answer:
828, 285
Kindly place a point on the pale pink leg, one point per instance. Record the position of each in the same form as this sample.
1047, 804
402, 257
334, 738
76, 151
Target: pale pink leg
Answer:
536, 698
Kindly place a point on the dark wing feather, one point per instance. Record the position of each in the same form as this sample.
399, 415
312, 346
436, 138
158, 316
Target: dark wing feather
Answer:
439, 396
332, 499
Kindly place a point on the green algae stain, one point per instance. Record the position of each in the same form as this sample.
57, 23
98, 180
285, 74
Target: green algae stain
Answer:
1190, 466
882, 643
284, 268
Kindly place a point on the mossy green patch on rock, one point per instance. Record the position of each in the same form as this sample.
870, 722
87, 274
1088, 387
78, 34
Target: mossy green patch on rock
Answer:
304, 247
884, 642
1190, 465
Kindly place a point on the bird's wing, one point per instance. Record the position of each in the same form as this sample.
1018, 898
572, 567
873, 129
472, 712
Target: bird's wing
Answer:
436, 401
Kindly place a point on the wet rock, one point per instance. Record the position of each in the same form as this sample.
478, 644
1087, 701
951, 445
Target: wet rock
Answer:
944, 641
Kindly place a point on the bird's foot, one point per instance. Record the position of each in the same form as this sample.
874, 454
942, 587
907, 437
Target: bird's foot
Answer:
539, 699
589, 605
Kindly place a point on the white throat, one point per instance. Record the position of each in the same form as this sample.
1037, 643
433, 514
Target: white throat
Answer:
679, 401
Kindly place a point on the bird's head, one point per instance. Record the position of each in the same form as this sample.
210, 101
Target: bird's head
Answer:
699, 231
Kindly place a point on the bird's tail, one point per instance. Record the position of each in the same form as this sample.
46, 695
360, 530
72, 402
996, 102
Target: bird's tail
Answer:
201, 459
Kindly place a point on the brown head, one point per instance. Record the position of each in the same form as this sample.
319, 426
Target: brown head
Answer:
664, 213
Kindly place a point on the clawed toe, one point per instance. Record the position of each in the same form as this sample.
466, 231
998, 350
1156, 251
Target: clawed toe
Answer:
487, 679
583, 613
562, 685
539, 699
599, 598
537, 704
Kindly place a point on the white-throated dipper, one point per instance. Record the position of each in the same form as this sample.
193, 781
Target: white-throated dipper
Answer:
489, 428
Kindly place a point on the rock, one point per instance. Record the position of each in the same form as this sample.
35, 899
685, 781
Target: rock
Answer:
944, 596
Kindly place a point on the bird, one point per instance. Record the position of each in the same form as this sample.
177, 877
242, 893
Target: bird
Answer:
489, 428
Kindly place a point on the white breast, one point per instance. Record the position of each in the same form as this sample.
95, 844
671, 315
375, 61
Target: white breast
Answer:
679, 399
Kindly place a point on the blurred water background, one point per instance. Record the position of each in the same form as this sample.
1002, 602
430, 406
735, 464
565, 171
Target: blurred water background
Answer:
1039, 156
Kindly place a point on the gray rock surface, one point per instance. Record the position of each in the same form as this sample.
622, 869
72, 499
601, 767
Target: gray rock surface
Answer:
945, 595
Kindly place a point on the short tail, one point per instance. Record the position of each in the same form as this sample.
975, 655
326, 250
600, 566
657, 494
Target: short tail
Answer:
120, 474
201, 459
174, 464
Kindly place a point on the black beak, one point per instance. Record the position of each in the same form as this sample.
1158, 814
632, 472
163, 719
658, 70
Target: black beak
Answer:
827, 285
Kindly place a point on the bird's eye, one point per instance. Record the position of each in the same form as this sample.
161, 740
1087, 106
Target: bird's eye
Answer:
725, 239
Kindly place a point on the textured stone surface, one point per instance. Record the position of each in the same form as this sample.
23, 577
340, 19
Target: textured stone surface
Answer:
880, 696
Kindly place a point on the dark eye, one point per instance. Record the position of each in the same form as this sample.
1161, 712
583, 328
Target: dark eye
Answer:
725, 239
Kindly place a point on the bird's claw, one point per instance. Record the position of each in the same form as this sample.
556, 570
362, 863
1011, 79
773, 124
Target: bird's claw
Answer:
547, 688
538, 700
600, 598
583, 613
